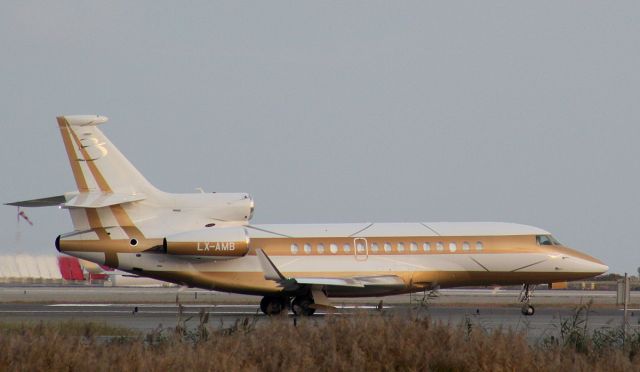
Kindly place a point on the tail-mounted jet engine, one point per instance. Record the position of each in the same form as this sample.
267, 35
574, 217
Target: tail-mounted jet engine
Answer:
213, 207
218, 243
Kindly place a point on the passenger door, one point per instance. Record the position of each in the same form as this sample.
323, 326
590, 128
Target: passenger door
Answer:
360, 249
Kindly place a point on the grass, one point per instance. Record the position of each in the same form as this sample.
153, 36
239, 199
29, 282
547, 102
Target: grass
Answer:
368, 341
66, 328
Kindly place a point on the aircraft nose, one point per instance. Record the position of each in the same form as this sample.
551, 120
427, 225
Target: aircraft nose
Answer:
584, 262
598, 268
593, 265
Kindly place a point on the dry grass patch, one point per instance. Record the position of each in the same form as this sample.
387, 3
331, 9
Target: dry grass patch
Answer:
372, 342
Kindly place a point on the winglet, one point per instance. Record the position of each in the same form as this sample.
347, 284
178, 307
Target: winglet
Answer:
270, 270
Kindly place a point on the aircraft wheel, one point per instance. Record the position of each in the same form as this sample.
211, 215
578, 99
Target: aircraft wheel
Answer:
273, 305
302, 306
528, 310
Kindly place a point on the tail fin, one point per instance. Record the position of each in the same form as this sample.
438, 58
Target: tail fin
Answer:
96, 163
106, 180
115, 202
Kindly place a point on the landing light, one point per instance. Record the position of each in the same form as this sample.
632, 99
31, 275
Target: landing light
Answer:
558, 256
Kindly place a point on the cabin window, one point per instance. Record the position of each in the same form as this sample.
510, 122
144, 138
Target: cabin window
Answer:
439, 246
426, 247
465, 246
320, 248
307, 248
294, 248
374, 247
453, 247
346, 248
333, 248
387, 247
360, 247
479, 246
400, 247
413, 247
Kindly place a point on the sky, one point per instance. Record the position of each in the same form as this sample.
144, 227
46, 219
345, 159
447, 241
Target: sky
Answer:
345, 111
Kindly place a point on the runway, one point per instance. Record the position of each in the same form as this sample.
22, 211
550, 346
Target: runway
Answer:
128, 295
146, 309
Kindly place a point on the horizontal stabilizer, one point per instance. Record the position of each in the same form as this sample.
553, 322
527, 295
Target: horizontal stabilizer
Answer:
42, 202
101, 199
92, 199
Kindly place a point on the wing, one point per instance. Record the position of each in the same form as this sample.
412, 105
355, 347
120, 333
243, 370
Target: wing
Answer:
271, 272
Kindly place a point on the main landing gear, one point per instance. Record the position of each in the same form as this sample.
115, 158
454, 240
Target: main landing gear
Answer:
274, 305
525, 298
302, 305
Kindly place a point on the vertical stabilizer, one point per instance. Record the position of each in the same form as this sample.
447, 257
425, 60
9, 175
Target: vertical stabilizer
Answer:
96, 163
106, 180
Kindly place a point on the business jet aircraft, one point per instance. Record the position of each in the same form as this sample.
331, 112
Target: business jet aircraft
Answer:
205, 240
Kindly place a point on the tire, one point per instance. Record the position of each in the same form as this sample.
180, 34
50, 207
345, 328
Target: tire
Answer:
302, 306
528, 310
272, 305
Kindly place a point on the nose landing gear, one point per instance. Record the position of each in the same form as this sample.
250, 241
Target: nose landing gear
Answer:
525, 297
527, 310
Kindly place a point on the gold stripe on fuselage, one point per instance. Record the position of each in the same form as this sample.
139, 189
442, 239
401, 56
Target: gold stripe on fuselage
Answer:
282, 246
254, 283
65, 131
110, 258
97, 176
96, 224
125, 222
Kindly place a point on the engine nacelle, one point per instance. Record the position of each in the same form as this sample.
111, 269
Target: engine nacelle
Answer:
215, 242
214, 206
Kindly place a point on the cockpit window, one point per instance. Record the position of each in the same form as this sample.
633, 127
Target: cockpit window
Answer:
554, 240
543, 240
547, 240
